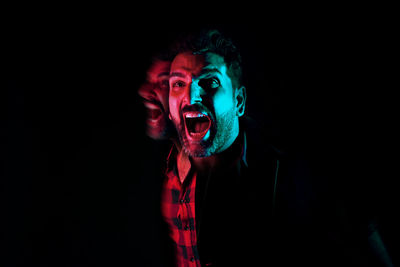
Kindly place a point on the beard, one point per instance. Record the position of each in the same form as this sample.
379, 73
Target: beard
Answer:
220, 133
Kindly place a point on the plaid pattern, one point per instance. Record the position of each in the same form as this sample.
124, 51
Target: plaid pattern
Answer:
178, 209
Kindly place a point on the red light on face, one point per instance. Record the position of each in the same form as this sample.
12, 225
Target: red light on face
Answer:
155, 98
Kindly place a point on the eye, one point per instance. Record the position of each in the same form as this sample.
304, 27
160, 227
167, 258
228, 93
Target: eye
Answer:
178, 84
209, 84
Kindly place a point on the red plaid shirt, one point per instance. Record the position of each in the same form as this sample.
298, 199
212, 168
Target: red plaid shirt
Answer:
178, 201
178, 209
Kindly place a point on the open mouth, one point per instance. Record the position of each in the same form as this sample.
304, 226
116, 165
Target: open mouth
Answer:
154, 112
197, 124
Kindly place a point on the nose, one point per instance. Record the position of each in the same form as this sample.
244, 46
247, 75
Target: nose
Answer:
146, 91
196, 93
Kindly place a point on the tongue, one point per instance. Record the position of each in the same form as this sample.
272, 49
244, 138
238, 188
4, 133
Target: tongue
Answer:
200, 126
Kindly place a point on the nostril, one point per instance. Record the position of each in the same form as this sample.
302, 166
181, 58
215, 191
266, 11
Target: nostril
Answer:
195, 92
195, 96
196, 99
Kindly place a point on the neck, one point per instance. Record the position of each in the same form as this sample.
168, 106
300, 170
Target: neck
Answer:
224, 158
234, 132
206, 163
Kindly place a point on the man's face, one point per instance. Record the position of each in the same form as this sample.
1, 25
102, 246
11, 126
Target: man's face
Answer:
202, 103
155, 98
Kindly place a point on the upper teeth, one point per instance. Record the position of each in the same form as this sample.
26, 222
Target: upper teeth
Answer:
194, 115
150, 105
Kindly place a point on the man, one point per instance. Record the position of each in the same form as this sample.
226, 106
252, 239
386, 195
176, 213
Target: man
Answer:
154, 93
222, 200
206, 101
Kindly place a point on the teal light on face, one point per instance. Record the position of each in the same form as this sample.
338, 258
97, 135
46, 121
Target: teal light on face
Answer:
203, 85
207, 135
223, 102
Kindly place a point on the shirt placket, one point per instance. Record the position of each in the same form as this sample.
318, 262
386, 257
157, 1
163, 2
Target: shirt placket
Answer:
185, 215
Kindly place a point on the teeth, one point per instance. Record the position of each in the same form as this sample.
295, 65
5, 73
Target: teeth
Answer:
150, 105
194, 115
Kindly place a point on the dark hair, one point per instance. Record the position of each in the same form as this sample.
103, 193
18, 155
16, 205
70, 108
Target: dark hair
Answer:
211, 40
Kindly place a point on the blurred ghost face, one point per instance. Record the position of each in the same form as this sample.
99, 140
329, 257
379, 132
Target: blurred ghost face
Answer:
203, 104
155, 98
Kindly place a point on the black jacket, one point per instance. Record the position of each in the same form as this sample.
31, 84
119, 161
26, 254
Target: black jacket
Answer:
273, 208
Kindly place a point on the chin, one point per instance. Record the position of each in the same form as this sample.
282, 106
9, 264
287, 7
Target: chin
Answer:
197, 150
158, 129
156, 134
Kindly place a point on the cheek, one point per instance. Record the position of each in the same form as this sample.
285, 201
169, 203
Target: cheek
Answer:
164, 100
174, 107
223, 103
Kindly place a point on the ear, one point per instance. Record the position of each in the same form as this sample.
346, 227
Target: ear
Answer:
240, 97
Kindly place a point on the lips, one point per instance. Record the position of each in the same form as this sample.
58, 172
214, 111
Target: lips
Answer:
154, 111
197, 124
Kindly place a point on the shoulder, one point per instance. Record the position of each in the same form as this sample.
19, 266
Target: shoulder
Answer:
260, 141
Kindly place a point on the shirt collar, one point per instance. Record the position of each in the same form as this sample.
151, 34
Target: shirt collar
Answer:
182, 159
244, 149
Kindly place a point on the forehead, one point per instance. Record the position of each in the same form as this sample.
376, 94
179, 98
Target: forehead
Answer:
157, 70
194, 64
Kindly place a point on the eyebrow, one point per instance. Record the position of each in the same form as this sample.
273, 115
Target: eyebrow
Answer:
177, 74
204, 72
163, 74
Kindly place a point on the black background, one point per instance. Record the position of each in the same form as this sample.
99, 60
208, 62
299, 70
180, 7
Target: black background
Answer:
74, 158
